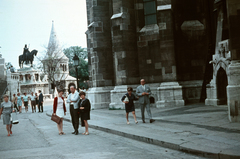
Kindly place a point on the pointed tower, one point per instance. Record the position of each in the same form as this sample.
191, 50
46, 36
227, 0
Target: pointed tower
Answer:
54, 46
56, 64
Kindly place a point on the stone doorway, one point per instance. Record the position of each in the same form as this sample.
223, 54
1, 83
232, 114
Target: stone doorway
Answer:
222, 83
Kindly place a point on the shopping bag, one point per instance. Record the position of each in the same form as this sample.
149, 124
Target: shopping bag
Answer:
14, 118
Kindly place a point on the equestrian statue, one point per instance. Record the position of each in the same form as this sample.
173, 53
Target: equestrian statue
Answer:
27, 57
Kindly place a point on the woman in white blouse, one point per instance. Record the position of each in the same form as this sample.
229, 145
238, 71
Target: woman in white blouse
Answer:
59, 109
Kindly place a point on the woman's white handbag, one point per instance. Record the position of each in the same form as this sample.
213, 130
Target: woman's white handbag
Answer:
14, 118
126, 99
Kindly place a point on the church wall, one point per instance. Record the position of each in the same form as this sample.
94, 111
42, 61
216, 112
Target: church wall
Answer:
124, 43
191, 40
156, 44
99, 43
169, 52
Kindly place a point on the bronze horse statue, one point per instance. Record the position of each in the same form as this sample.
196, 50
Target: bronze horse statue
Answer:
27, 57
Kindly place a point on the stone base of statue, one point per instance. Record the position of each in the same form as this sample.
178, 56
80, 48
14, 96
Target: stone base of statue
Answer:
26, 80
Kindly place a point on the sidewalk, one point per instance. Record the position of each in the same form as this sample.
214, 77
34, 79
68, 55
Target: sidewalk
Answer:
198, 129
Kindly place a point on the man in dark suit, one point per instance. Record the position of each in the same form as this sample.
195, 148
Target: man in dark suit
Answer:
40, 104
143, 91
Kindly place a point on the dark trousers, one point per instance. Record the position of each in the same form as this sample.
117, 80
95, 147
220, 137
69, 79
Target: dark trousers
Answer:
33, 103
15, 106
40, 107
75, 117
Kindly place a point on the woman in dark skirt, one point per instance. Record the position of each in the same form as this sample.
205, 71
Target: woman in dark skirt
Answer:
128, 99
85, 107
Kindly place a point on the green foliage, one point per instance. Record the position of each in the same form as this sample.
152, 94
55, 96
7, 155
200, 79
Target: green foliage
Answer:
83, 66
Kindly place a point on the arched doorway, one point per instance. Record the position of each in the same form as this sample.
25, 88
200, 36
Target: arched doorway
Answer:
222, 83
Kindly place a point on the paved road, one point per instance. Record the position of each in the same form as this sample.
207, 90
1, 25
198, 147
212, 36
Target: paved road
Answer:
36, 136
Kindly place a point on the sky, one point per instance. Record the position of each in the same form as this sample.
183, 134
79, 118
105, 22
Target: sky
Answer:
30, 21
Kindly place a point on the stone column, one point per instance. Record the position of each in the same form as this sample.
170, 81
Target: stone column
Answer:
24, 78
124, 46
233, 88
100, 56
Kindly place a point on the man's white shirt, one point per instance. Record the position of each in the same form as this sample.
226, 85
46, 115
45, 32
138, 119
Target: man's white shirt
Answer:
32, 97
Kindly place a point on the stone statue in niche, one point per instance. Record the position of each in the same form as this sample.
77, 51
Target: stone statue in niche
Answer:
222, 51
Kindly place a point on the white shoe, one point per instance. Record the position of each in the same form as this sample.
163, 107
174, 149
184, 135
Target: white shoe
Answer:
128, 122
136, 121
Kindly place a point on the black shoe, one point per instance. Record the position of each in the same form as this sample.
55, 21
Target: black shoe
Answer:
74, 132
152, 120
144, 121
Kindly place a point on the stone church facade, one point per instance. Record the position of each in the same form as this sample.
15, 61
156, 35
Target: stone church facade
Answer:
174, 45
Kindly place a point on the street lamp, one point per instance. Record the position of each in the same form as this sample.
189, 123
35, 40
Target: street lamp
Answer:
76, 64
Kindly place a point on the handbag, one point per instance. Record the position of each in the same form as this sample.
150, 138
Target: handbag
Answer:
55, 118
14, 118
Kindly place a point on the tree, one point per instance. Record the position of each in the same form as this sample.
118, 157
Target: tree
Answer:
83, 67
53, 65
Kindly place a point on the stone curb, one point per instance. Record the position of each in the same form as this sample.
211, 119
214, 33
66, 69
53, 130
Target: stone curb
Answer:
173, 146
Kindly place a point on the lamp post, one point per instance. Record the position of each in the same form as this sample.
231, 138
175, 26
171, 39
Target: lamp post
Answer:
76, 64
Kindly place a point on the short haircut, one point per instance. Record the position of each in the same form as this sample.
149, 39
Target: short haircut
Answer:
73, 86
40, 91
5, 95
130, 89
14, 94
82, 93
142, 80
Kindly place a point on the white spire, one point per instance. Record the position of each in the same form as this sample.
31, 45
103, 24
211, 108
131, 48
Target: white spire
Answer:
54, 47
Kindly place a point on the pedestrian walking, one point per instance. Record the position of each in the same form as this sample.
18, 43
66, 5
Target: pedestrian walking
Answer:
85, 107
73, 99
6, 109
14, 101
33, 102
25, 101
143, 91
128, 99
19, 102
40, 102
59, 109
